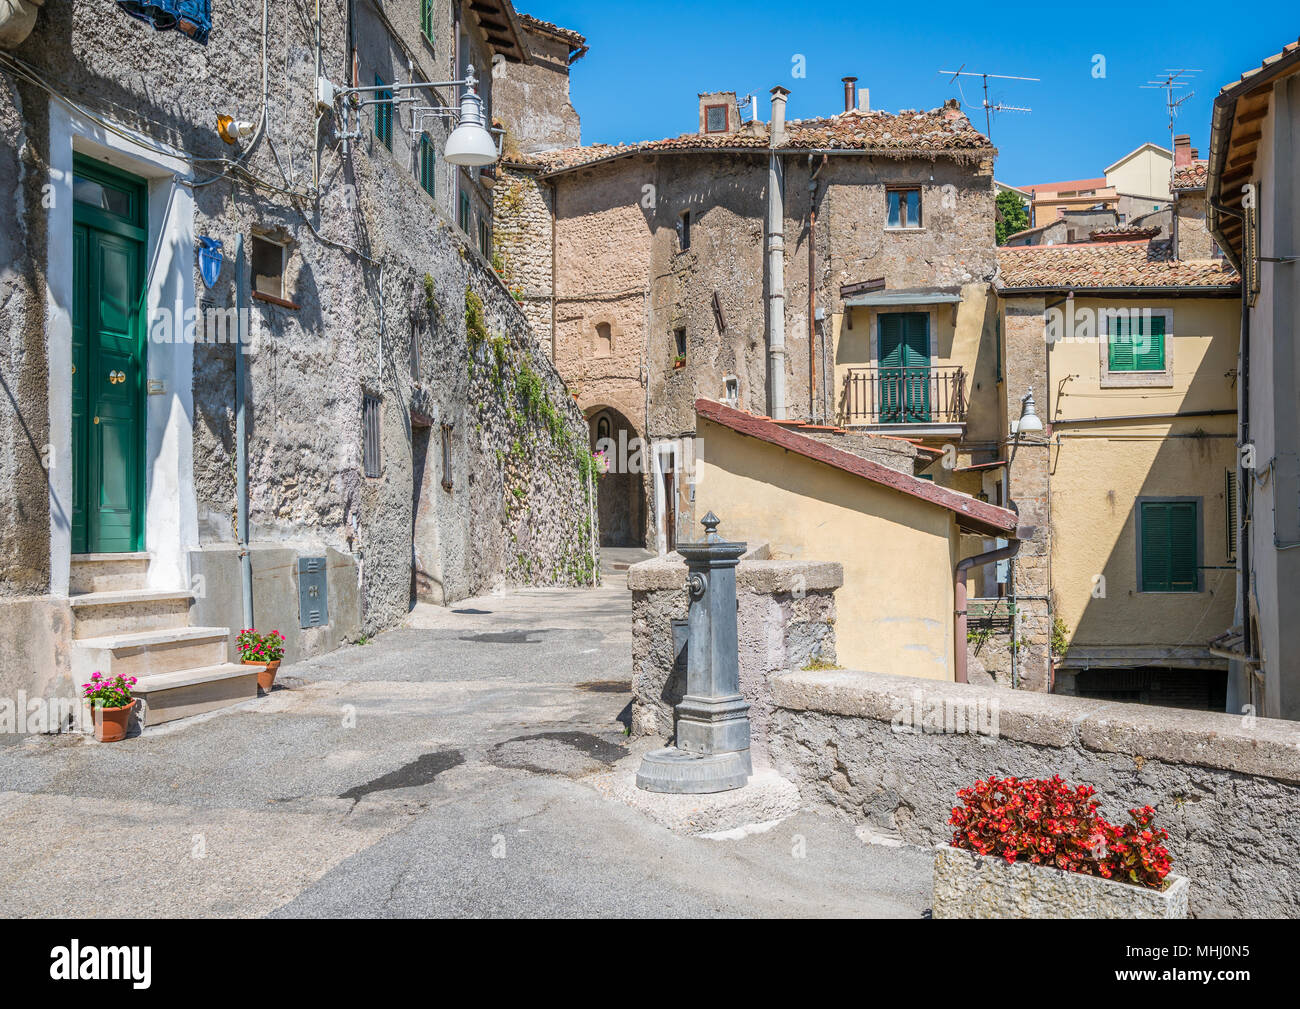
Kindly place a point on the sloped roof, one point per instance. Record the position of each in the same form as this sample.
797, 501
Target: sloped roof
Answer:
970, 513
1068, 186
547, 28
1123, 232
1139, 265
898, 133
1190, 176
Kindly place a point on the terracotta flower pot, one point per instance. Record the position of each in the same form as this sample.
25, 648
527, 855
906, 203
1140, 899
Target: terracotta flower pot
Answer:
110, 723
265, 675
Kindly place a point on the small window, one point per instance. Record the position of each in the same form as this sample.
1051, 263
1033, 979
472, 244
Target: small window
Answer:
903, 208
679, 346
268, 267
463, 218
426, 19
446, 457
384, 115
604, 340
684, 230
715, 119
731, 390
428, 165
603, 430
415, 351
485, 236
370, 435
1136, 342
1169, 555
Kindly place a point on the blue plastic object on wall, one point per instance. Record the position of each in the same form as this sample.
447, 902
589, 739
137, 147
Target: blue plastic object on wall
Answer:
191, 17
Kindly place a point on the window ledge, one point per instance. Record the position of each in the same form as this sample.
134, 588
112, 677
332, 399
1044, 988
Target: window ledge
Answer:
271, 299
903, 231
1137, 380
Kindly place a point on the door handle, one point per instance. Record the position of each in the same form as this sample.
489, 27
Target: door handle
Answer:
115, 377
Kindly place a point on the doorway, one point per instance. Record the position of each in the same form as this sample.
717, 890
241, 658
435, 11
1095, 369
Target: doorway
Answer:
108, 359
904, 357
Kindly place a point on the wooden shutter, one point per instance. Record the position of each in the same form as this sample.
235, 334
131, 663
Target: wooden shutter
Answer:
1120, 343
1170, 544
1230, 513
1149, 344
428, 160
426, 18
370, 435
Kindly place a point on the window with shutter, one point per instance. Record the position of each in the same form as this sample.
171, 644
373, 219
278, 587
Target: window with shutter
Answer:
1137, 342
383, 115
370, 435
428, 163
426, 19
1169, 550
1230, 513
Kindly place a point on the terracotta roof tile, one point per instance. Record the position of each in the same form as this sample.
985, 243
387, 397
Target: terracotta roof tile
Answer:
1191, 176
1107, 265
1122, 232
546, 27
1267, 65
901, 133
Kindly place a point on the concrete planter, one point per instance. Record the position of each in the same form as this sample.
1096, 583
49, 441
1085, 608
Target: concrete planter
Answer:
968, 885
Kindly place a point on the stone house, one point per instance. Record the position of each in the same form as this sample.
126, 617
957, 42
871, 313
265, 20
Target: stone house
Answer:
184, 220
680, 269
1253, 201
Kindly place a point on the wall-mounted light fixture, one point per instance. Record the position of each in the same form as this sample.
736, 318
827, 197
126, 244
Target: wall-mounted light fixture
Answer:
231, 130
470, 143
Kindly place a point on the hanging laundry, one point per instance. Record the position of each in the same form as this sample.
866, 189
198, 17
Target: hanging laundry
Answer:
191, 17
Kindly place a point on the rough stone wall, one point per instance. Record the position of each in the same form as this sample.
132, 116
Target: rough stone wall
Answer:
373, 263
1192, 238
896, 453
785, 620
532, 100
1226, 788
521, 215
1029, 486
24, 433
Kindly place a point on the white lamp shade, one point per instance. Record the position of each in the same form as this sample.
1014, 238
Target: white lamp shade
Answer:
1029, 422
470, 145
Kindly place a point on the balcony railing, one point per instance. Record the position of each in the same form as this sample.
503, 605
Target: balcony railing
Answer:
921, 395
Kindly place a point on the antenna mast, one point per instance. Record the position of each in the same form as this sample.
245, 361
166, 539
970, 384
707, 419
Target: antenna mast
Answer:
989, 107
1174, 80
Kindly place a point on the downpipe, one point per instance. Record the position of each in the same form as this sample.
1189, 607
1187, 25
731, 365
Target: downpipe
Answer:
241, 447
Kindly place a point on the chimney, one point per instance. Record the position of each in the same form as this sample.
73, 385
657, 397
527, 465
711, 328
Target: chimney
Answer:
850, 93
864, 99
1183, 150
951, 110
778, 114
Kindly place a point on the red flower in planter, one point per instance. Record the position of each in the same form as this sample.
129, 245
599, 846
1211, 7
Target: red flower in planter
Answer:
1044, 821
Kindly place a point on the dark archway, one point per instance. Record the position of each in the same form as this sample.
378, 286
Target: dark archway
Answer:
620, 497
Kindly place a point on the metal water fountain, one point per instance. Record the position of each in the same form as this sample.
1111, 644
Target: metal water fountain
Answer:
712, 751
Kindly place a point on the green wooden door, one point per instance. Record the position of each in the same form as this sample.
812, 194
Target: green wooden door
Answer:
108, 357
904, 355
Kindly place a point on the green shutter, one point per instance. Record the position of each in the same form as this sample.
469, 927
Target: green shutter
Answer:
1170, 538
426, 18
428, 162
384, 115
1137, 343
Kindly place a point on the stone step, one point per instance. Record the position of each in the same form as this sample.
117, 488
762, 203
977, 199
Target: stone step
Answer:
128, 611
168, 696
107, 572
142, 652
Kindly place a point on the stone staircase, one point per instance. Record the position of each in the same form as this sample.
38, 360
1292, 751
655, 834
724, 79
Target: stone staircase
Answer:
122, 626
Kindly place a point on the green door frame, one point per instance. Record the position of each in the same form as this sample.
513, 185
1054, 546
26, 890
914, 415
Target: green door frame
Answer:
127, 224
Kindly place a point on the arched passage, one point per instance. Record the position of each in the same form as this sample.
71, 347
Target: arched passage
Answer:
620, 497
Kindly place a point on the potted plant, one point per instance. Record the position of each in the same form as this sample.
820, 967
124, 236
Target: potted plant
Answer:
110, 703
265, 650
1037, 848
679, 361
601, 460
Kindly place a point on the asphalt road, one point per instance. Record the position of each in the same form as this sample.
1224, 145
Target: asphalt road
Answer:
443, 769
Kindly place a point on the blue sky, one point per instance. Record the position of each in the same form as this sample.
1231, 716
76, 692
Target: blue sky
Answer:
647, 64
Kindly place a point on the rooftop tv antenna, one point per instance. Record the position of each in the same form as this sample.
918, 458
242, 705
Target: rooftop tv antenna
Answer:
1173, 80
989, 107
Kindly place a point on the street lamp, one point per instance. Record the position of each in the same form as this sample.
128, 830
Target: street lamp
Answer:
470, 143
1029, 422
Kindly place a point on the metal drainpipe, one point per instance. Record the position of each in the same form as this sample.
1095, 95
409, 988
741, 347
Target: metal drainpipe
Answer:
241, 448
812, 287
1245, 487
555, 208
776, 284
959, 593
